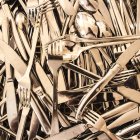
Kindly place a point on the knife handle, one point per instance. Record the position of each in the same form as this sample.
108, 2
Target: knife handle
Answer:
69, 133
6, 10
97, 89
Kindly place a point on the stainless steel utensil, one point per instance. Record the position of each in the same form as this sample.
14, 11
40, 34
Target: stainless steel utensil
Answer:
95, 120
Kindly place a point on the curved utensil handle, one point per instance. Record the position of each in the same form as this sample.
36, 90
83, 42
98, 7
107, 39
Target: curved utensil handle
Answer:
97, 89
111, 135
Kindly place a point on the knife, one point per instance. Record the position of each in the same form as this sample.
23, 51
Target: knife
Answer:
130, 128
119, 110
106, 15
34, 126
10, 89
40, 114
127, 117
13, 58
120, 63
69, 133
129, 93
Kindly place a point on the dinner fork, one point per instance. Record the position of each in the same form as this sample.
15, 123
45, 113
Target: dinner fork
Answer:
55, 61
25, 103
34, 8
95, 120
24, 84
71, 56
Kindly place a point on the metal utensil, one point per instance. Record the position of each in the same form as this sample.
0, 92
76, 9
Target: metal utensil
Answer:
120, 63
95, 120
10, 90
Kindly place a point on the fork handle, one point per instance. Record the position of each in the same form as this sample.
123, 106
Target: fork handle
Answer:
111, 135
20, 131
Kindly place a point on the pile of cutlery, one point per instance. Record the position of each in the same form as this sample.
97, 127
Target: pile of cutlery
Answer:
69, 69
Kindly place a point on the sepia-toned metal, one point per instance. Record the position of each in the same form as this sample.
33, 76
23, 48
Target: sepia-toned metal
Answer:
69, 69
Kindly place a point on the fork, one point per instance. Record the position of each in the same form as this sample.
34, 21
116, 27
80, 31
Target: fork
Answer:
25, 103
33, 8
95, 120
24, 84
55, 61
71, 56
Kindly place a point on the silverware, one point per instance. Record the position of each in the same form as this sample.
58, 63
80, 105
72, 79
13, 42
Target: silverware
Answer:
69, 133
11, 103
34, 126
126, 117
119, 110
129, 93
120, 63
43, 119
96, 121
15, 32
24, 84
54, 62
129, 129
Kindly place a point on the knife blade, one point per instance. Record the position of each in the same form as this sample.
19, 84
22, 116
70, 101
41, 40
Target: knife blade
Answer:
127, 117
129, 93
34, 126
106, 15
128, 129
40, 114
69, 133
119, 110
10, 89
13, 58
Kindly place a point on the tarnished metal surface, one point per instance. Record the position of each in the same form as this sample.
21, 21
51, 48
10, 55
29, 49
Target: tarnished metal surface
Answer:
69, 69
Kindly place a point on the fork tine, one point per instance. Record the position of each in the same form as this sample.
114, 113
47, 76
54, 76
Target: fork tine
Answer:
89, 119
91, 115
47, 6
96, 115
